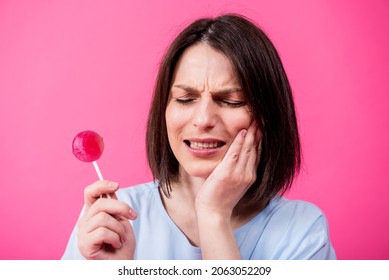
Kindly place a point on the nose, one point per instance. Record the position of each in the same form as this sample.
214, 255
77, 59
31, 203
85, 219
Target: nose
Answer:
205, 114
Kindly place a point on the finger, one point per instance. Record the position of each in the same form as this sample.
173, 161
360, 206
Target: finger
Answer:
233, 152
248, 147
127, 226
103, 235
258, 145
105, 220
246, 165
250, 168
128, 231
91, 245
113, 207
95, 190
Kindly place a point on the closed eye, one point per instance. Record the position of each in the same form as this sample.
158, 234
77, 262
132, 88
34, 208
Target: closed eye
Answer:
233, 104
184, 100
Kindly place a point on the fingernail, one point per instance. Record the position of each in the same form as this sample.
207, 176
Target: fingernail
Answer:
244, 133
113, 185
133, 214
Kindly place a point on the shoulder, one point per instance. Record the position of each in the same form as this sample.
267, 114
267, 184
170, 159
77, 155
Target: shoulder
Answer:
296, 209
138, 193
297, 217
296, 230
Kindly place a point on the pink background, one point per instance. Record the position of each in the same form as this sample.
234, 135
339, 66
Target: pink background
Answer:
68, 66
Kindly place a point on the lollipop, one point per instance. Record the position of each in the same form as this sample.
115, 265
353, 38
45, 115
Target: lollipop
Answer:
88, 146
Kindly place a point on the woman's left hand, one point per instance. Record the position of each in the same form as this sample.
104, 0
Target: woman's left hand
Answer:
227, 184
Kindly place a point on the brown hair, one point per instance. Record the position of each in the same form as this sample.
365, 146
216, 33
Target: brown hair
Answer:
266, 87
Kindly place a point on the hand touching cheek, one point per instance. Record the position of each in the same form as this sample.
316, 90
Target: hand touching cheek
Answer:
233, 176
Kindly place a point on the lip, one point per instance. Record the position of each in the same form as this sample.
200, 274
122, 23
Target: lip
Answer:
204, 152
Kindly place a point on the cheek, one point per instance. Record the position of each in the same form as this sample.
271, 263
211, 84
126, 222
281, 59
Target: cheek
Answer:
237, 121
174, 121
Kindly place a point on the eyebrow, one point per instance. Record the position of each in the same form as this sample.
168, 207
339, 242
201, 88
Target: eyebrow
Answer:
222, 91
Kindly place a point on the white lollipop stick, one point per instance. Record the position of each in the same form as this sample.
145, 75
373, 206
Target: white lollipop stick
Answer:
99, 175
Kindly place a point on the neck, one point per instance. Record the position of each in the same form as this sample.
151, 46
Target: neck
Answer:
187, 186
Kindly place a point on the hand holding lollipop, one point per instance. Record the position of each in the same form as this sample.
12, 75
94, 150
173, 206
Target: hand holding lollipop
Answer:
88, 146
119, 240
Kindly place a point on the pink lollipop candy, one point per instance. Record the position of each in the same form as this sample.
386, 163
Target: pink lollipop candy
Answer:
88, 146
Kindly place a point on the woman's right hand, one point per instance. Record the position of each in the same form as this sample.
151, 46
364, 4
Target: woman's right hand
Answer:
104, 231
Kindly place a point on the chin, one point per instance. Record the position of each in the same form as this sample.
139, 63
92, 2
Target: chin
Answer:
200, 171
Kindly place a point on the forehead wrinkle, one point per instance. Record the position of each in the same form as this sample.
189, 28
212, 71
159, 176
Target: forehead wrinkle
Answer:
225, 91
187, 88
201, 68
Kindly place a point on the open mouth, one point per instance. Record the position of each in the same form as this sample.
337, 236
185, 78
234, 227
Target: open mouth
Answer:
204, 145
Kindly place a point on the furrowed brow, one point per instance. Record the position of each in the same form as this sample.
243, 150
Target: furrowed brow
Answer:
227, 91
186, 88
218, 92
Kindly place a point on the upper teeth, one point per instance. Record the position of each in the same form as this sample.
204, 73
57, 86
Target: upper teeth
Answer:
201, 145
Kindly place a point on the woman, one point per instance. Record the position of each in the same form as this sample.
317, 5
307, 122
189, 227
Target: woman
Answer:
223, 146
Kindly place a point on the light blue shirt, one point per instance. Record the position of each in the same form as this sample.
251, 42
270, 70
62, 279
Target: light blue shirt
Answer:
285, 229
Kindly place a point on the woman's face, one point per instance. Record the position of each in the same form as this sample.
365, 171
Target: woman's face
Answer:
205, 111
